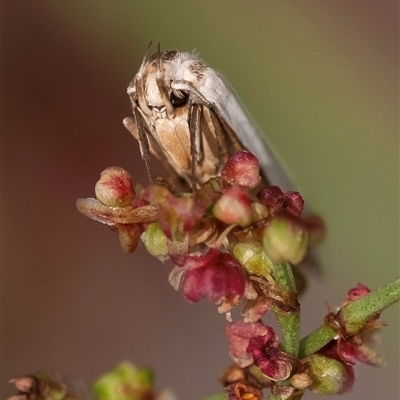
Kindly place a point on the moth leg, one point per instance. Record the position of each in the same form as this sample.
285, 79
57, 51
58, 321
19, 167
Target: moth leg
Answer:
195, 134
132, 127
143, 143
130, 124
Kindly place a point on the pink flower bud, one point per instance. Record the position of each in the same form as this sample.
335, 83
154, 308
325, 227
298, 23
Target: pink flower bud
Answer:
276, 201
242, 169
265, 349
215, 275
239, 334
27, 384
178, 215
317, 229
356, 293
234, 207
115, 187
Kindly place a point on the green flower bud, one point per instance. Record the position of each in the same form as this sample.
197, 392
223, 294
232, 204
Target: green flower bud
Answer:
328, 375
252, 256
286, 239
155, 241
124, 382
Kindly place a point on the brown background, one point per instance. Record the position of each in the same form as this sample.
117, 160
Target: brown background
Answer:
72, 302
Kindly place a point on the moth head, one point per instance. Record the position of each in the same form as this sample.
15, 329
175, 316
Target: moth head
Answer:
151, 90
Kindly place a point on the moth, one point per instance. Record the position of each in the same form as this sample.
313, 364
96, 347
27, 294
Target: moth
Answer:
187, 115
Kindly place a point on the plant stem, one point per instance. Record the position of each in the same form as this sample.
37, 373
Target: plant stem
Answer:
356, 314
288, 314
352, 317
316, 340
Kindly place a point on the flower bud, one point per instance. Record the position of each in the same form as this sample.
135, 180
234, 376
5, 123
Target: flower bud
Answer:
276, 201
26, 384
234, 207
166, 395
129, 235
300, 381
252, 256
242, 169
328, 375
286, 239
124, 382
214, 275
259, 211
115, 187
155, 241
317, 229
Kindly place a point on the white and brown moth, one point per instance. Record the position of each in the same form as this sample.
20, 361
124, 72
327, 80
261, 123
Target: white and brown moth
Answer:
187, 116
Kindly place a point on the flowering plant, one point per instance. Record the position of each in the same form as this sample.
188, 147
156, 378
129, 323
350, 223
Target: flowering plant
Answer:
233, 243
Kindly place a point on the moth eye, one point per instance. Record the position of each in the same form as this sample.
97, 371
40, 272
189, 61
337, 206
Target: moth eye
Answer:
179, 98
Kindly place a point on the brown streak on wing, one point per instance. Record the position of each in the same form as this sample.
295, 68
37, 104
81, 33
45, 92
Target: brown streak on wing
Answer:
218, 141
234, 143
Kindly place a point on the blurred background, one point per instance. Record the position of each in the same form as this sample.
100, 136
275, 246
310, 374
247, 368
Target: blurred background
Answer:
321, 80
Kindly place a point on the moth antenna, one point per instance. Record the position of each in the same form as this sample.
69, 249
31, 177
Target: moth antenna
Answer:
158, 59
144, 59
148, 47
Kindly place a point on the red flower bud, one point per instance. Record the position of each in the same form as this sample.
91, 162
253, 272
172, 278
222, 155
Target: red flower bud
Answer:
239, 333
276, 201
268, 357
115, 187
217, 276
242, 169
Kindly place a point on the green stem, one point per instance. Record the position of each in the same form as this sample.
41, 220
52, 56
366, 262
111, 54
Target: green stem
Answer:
288, 313
356, 314
315, 340
352, 317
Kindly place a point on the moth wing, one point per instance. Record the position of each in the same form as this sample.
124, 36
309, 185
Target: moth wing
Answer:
238, 124
212, 141
132, 126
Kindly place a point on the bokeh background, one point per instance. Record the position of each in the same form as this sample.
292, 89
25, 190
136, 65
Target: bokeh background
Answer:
321, 80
